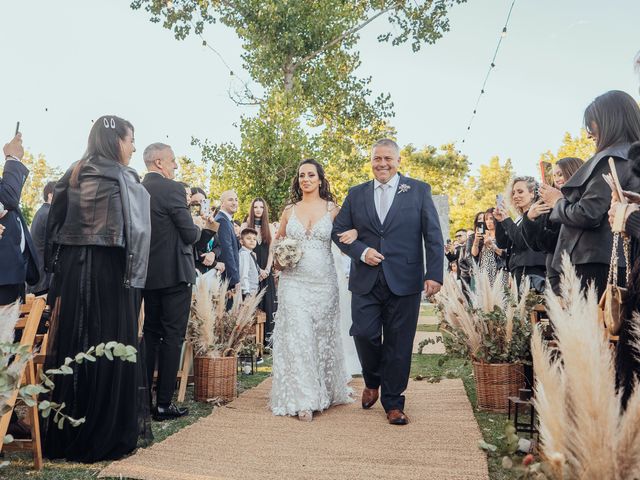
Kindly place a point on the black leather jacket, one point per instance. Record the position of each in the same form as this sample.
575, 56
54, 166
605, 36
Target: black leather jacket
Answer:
109, 207
585, 233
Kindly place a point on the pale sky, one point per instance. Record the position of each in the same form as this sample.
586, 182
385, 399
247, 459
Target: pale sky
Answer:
65, 63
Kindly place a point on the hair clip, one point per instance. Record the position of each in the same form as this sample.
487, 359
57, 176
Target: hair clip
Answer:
113, 123
106, 122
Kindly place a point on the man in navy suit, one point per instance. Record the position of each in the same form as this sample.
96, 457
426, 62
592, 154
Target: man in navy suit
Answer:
18, 260
229, 248
397, 224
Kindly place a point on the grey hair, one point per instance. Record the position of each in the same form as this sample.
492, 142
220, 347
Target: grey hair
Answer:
148, 156
532, 186
386, 142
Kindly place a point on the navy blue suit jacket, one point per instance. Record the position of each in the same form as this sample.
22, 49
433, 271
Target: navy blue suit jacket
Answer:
229, 251
16, 267
412, 219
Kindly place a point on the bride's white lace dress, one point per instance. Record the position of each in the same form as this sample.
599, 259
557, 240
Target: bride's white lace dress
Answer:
309, 371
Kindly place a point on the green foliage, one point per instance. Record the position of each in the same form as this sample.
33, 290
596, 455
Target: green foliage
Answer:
580, 146
478, 193
304, 57
40, 172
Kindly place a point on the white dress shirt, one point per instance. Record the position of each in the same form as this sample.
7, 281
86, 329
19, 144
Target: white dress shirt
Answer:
391, 190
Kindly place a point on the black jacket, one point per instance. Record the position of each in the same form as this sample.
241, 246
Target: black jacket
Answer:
173, 234
16, 265
202, 246
38, 234
509, 236
108, 208
583, 214
542, 235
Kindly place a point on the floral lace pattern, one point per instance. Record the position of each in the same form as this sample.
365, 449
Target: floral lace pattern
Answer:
309, 370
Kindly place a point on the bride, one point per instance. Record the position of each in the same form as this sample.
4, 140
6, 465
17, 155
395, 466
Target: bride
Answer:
309, 367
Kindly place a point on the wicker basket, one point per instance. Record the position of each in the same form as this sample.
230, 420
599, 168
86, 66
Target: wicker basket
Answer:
215, 378
495, 383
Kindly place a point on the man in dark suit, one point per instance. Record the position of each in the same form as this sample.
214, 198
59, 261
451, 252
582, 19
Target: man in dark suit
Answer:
396, 221
18, 259
38, 234
229, 247
167, 292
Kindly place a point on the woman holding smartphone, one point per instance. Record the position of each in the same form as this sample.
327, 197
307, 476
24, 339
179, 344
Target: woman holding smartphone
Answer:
523, 260
613, 120
484, 250
542, 232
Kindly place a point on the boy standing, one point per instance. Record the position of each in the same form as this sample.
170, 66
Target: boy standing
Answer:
249, 272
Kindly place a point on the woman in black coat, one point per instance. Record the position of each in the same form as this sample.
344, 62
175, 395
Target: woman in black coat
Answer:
580, 207
522, 259
542, 233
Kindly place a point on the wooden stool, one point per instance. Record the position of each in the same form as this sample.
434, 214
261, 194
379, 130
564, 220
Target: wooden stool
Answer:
29, 320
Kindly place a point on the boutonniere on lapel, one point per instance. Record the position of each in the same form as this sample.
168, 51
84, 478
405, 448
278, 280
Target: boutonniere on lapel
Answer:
403, 188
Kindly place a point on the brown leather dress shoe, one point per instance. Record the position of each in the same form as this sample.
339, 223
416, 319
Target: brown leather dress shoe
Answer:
369, 397
397, 417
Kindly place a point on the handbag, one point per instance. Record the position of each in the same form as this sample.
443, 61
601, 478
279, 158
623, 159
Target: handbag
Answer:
611, 306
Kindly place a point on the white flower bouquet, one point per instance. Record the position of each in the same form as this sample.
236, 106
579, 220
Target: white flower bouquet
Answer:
287, 253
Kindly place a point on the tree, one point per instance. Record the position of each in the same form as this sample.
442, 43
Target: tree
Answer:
303, 54
478, 193
192, 173
444, 170
40, 172
581, 146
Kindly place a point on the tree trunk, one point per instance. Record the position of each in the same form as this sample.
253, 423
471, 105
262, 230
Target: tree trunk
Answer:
288, 77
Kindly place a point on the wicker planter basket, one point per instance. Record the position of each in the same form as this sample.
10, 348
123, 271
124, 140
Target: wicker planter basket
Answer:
495, 382
215, 378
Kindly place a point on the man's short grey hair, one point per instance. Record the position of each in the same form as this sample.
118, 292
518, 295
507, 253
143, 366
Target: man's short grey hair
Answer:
387, 142
149, 154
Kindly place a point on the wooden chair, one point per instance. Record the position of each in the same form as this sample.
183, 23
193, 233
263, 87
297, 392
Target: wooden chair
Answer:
183, 374
261, 319
28, 322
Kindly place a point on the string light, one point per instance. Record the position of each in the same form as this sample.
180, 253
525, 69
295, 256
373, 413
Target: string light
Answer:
492, 65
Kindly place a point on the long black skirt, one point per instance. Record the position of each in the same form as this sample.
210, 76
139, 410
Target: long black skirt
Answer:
92, 306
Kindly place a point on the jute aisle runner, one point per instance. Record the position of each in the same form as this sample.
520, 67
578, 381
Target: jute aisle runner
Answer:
244, 441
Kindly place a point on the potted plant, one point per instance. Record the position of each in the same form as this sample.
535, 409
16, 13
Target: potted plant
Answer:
493, 330
217, 334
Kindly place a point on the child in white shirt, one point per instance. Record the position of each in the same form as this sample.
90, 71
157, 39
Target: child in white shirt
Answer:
249, 272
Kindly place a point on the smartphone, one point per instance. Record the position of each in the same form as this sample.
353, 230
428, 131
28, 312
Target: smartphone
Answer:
481, 228
205, 207
17, 128
500, 201
546, 173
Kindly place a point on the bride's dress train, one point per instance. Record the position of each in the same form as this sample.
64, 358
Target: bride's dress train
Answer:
309, 370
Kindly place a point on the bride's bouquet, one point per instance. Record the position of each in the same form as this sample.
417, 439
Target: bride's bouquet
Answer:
287, 253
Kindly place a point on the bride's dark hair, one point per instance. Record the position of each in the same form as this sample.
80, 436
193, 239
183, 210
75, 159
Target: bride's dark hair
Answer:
295, 194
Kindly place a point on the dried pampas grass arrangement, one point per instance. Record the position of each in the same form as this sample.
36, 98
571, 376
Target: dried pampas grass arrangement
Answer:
584, 434
213, 331
493, 327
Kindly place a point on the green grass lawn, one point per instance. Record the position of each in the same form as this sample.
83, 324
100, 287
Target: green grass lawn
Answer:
427, 328
21, 465
428, 310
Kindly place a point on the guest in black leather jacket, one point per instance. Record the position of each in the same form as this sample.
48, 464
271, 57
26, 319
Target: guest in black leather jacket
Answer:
523, 260
541, 232
613, 119
98, 234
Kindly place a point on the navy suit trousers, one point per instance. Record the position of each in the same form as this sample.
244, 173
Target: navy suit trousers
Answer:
384, 326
